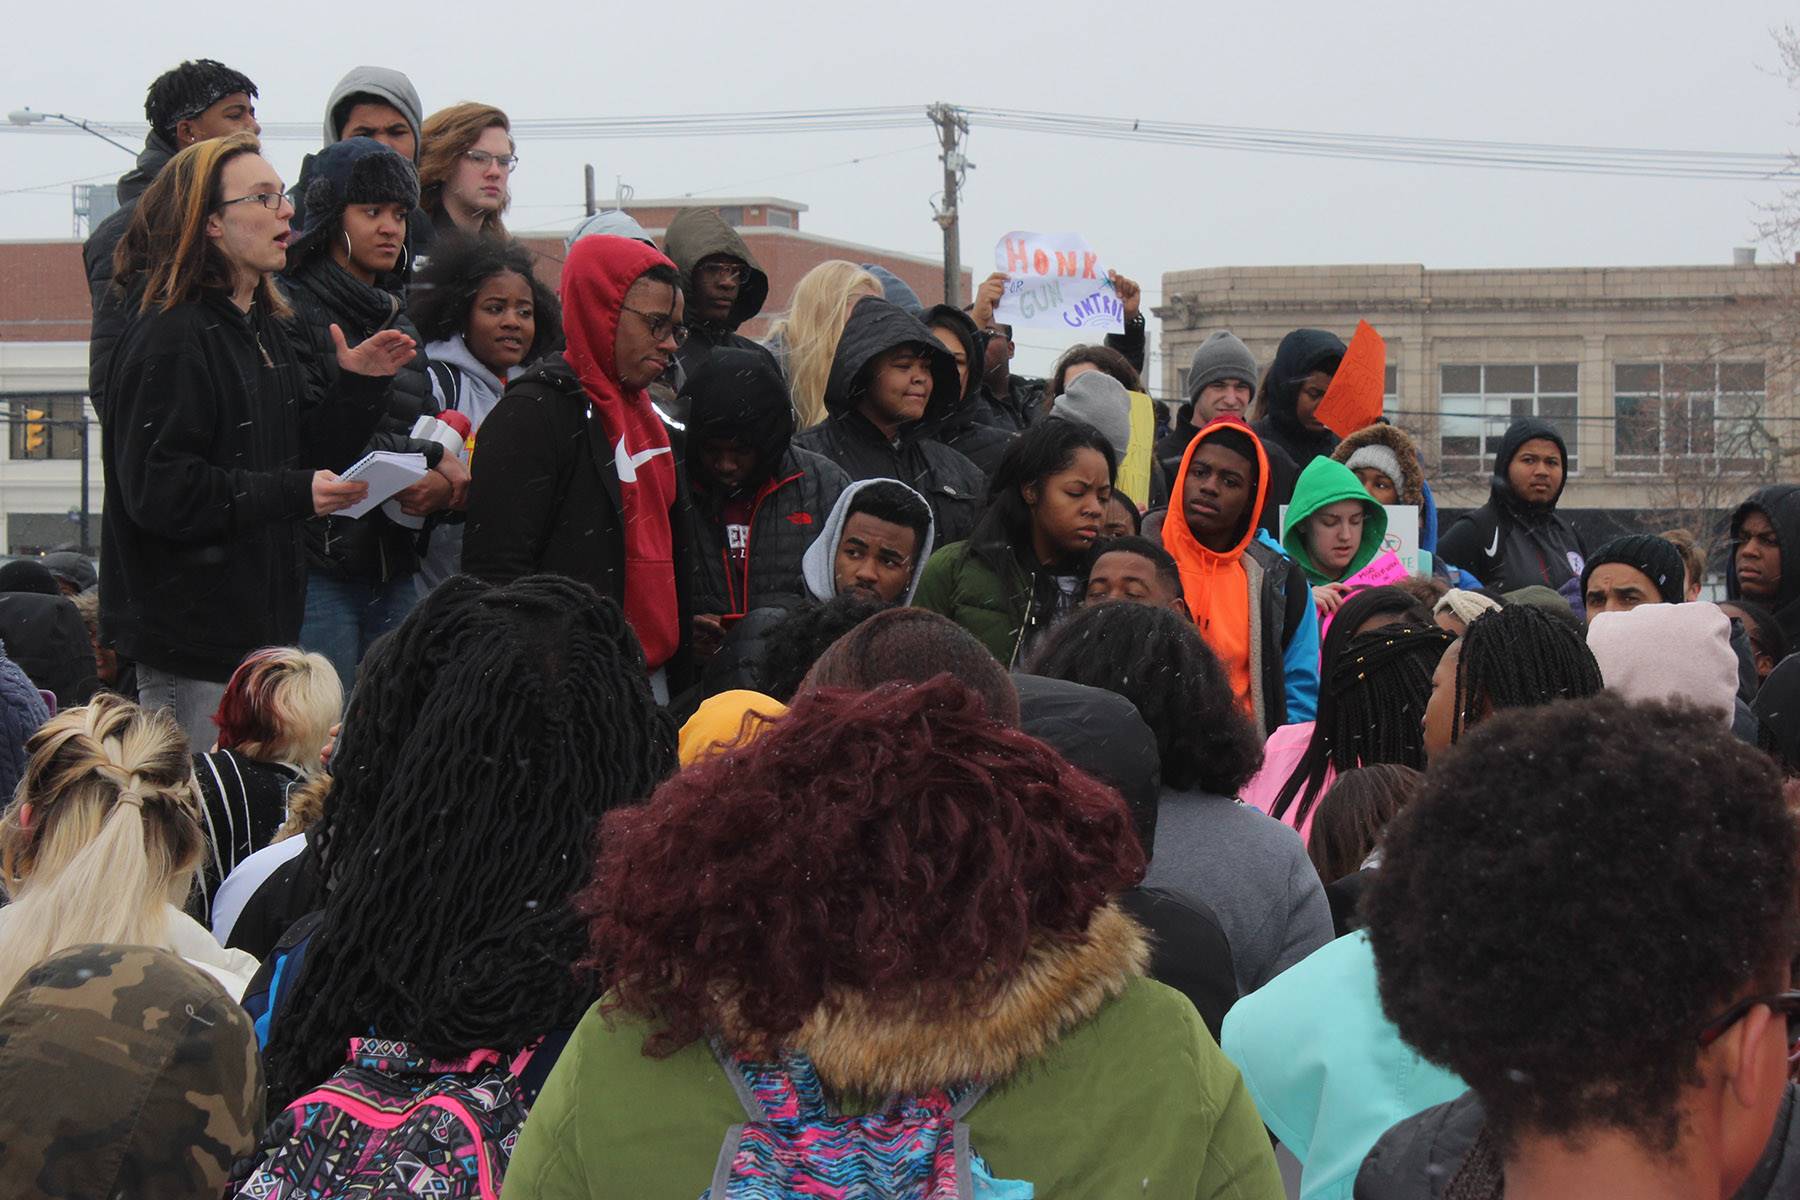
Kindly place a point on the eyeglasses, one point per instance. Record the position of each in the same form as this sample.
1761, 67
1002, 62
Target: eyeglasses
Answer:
661, 325
482, 158
1786, 1004
725, 272
269, 200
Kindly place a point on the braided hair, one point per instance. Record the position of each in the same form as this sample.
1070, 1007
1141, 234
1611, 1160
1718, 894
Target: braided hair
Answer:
486, 737
1519, 657
1370, 711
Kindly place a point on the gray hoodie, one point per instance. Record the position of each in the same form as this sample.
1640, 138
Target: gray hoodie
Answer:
384, 83
818, 566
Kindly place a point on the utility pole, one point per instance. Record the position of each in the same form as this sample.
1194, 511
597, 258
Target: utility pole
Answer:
952, 124
588, 176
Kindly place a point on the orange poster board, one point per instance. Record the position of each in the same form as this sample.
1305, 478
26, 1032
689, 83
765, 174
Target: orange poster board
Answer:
1353, 401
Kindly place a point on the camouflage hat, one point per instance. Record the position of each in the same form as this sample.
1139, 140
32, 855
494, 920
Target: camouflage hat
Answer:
124, 1071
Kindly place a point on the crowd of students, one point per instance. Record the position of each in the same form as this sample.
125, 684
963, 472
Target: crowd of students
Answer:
840, 766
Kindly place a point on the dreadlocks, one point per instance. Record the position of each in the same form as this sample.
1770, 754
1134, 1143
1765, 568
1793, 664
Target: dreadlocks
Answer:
487, 736
1519, 657
1370, 710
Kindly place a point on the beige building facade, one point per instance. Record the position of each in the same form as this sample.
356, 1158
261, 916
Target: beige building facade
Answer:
1675, 386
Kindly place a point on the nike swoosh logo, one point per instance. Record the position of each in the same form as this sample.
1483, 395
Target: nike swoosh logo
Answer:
1494, 547
626, 463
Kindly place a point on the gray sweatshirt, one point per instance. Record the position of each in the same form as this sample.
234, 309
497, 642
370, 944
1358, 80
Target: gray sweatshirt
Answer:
1252, 870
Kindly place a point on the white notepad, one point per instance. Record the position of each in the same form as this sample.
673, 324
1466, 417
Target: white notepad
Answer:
386, 472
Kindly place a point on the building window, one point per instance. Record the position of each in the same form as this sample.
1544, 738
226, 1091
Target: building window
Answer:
1478, 403
781, 217
732, 214
1390, 385
1667, 413
46, 425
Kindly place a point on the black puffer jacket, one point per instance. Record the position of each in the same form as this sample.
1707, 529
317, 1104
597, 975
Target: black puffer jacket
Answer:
1509, 544
950, 483
970, 428
370, 548
740, 394
112, 311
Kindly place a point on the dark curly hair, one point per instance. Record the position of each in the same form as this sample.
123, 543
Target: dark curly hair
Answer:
1580, 887
1159, 662
792, 647
897, 844
486, 736
1520, 656
443, 291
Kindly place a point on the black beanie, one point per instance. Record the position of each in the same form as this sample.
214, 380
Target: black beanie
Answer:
356, 170
184, 92
1656, 557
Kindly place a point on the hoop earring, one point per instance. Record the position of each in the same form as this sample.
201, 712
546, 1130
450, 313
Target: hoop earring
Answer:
349, 250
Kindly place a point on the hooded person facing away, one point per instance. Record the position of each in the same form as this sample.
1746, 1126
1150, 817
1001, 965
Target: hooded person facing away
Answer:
574, 474
1762, 528
892, 385
1517, 539
757, 499
379, 103
129, 1073
723, 284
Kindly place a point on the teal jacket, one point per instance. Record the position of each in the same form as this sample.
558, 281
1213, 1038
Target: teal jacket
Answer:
1326, 1068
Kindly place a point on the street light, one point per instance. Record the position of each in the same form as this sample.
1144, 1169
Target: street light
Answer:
25, 116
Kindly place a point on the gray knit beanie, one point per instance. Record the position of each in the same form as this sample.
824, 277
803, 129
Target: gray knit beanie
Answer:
1099, 401
1221, 356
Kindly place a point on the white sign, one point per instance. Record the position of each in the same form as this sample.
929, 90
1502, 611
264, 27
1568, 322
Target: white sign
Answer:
1056, 281
1402, 538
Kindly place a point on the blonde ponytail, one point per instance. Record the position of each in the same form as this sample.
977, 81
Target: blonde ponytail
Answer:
112, 839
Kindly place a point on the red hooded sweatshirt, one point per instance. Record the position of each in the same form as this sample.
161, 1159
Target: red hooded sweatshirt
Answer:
596, 276
1214, 584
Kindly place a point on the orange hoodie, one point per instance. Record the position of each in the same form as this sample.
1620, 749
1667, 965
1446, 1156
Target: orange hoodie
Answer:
1215, 585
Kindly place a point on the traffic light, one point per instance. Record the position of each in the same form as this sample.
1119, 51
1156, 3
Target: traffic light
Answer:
35, 430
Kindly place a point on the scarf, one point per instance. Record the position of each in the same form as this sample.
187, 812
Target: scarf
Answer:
596, 276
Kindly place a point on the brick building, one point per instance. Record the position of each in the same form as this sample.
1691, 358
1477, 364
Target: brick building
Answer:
1675, 386
44, 314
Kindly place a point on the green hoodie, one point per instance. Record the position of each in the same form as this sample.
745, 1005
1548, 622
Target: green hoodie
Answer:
1326, 482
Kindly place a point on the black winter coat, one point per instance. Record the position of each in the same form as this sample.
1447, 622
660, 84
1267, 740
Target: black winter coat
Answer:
740, 394
112, 311
1508, 544
1780, 503
544, 497
953, 486
220, 424
971, 428
370, 548
45, 635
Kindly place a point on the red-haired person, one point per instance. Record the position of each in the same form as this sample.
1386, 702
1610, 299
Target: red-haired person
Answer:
274, 720
931, 920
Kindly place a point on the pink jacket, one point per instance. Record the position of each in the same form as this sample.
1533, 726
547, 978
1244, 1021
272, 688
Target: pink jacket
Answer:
1281, 754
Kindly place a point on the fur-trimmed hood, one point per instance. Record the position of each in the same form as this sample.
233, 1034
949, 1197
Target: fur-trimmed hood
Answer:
860, 1048
1412, 477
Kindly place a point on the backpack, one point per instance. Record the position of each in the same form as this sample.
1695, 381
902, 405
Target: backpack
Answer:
795, 1144
392, 1123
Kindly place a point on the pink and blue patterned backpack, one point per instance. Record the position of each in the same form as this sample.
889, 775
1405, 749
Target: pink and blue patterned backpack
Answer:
794, 1144
392, 1123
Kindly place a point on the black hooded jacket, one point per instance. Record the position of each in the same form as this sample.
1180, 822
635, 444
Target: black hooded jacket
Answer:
112, 312
1300, 354
1509, 544
697, 234
370, 548
970, 429
740, 394
952, 484
1102, 733
1781, 504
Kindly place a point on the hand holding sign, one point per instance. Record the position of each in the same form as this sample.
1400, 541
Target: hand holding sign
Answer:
1353, 401
1056, 281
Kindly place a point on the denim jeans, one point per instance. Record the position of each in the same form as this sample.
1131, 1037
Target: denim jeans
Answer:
345, 616
193, 701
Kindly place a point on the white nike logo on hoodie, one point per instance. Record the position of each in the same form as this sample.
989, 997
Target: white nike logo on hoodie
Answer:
626, 463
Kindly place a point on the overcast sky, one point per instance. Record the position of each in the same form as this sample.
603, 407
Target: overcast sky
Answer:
1597, 72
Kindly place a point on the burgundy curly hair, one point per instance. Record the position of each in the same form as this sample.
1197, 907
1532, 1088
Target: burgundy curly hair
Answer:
898, 844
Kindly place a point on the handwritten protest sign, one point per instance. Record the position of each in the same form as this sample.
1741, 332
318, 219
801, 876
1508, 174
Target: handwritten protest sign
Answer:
1055, 281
